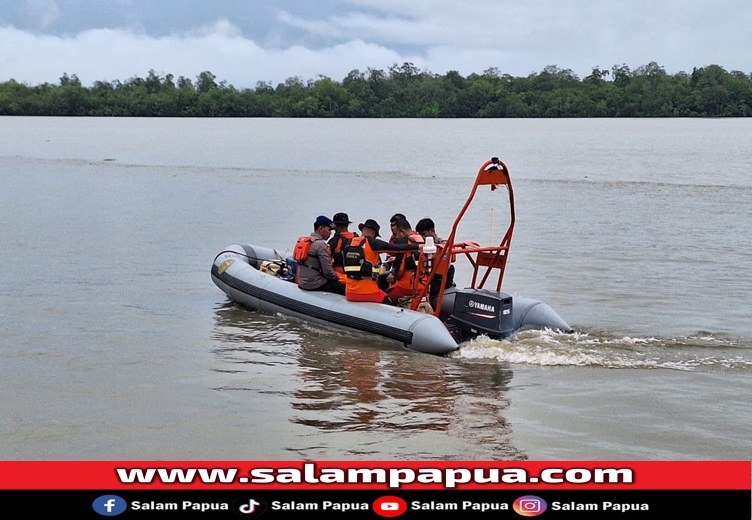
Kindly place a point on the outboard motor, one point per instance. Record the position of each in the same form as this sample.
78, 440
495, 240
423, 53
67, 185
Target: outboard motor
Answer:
479, 311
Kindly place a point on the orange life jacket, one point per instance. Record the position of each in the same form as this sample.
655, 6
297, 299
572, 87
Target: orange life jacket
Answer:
302, 246
360, 279
407, 270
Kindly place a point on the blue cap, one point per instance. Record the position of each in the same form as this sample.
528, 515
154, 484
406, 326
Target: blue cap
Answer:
323, 220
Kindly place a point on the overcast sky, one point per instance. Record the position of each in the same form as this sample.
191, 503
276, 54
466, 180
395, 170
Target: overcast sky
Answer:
243, 42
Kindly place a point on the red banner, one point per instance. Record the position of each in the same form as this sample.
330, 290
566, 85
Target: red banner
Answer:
344, 475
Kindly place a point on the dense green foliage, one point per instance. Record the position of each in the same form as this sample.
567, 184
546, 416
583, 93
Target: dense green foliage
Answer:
403, 91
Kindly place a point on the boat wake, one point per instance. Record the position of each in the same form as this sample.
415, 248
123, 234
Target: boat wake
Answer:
700, 352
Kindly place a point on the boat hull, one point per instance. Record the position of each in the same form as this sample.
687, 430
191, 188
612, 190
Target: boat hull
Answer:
237, 272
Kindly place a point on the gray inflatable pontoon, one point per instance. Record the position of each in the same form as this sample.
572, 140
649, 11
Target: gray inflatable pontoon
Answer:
466, 313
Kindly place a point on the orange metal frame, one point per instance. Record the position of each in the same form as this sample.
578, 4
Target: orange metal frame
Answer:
486, 260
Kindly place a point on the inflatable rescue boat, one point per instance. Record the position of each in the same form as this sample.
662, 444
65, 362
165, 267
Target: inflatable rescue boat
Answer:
262, 278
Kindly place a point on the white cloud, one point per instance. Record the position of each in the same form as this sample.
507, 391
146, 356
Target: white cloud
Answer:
109, 55
517, 38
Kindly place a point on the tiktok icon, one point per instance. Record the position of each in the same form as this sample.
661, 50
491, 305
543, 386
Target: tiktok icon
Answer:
250, 506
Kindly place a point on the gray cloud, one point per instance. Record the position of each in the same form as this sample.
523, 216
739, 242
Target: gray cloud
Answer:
246, 41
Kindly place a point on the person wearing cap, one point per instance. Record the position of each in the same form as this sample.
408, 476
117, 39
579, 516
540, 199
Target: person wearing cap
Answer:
339, 239
364, 287
315, 271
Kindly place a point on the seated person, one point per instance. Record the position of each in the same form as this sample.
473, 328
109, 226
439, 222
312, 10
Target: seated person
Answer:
339, 239
392, 221
426, 228
361, 261
401, 279
388, 265
315, 271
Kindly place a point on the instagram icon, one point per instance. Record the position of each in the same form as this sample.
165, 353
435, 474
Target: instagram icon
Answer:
530, 505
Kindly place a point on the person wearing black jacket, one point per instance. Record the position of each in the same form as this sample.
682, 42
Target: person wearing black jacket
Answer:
337, 242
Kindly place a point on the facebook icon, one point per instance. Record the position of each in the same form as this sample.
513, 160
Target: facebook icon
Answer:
109, 505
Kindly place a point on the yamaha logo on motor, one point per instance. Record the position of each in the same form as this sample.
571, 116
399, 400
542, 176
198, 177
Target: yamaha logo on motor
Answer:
481, 306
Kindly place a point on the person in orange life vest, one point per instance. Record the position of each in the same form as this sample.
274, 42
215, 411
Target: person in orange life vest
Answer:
316, 271
426, 228
362, 287
339, 239
405, 265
